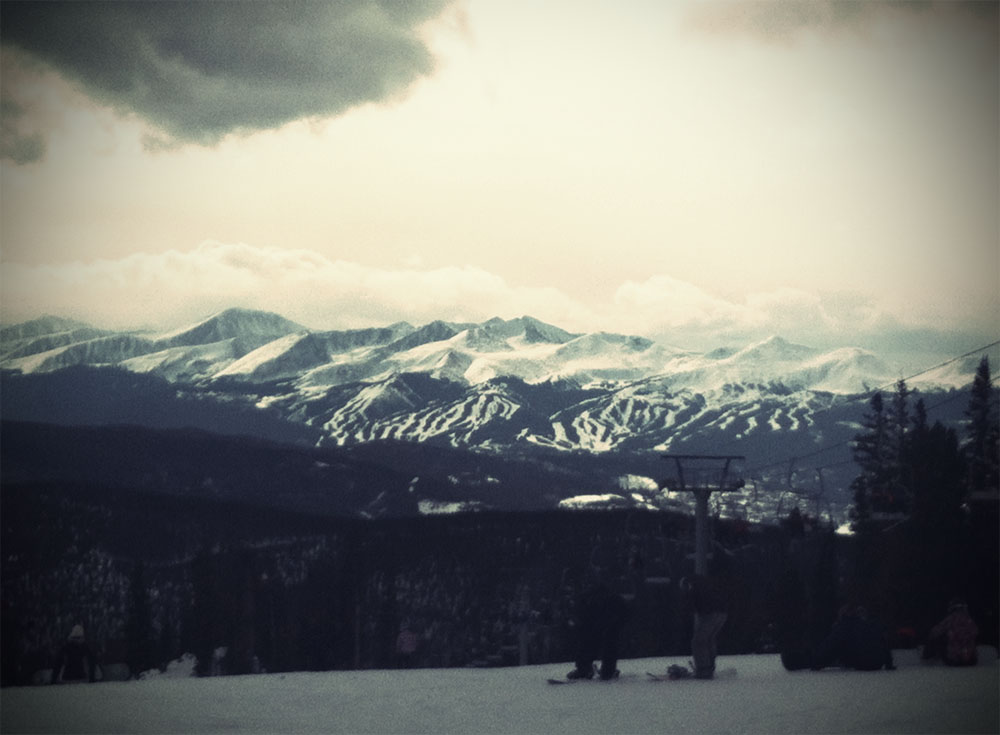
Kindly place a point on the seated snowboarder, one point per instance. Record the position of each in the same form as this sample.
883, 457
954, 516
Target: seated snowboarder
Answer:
407, 643
600, 618
76, 661
953, 640
854, 643
791, 623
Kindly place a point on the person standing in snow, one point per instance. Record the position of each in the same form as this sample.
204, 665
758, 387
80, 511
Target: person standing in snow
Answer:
76, 661
854, 643
406, 647
599, 621
709, 597
953, 640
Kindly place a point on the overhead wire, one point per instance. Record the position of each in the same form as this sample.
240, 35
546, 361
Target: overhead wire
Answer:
970, 353
867, 396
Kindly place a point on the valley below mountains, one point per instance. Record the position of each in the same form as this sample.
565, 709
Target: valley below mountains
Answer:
504, 414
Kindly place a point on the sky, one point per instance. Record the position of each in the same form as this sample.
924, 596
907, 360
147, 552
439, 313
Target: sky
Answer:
702, 173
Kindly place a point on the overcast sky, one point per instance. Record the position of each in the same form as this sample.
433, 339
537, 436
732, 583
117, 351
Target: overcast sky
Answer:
704, 173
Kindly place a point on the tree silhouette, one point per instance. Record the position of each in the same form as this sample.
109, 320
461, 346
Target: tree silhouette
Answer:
936, 536
139, 628
871, 448
983, 448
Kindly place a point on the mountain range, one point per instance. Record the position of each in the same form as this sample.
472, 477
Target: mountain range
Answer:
501, 388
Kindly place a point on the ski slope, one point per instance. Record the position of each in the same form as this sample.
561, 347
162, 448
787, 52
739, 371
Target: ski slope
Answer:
762, 698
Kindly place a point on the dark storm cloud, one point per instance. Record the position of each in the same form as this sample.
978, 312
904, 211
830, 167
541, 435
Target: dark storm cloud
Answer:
783, 20
201, 70
15, 144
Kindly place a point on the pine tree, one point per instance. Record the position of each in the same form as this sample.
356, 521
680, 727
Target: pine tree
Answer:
206, 615
899, 491
982, 450
139, 629
935, 464
936, 536
871, 450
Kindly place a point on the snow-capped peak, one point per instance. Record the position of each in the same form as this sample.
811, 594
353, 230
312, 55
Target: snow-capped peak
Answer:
531, 329
774, 349
284, 357
232, 324
39, 327
253, 345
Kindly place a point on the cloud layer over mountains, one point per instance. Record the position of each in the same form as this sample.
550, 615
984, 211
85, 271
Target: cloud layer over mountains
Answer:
167, 289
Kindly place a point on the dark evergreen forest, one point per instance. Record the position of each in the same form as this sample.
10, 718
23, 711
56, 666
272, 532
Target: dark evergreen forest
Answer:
151, 577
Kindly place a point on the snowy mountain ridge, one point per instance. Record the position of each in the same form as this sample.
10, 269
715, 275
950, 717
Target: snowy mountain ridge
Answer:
508, 388
496, 384
255, 346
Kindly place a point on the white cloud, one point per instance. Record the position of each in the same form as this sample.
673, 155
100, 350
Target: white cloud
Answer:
690, 316
790, 308
170, 289
665, 305
664, 302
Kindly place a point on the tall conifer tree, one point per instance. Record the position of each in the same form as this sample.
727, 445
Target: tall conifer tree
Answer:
983, 448
139, 629
898, 498
870, 453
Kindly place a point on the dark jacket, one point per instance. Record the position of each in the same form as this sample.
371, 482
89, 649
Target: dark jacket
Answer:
75, 663
855, 643
599, 608
709, 595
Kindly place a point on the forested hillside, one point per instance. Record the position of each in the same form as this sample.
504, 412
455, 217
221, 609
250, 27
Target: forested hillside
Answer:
235, 552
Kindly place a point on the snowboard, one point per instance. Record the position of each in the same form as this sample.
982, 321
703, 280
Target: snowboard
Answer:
595, 680
681, 673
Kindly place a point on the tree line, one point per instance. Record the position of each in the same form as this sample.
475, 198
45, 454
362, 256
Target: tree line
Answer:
925, 508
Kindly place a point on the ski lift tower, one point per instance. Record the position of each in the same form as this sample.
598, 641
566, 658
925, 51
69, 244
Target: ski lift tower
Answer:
703, 474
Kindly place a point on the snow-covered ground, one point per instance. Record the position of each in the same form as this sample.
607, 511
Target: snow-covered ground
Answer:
762, 698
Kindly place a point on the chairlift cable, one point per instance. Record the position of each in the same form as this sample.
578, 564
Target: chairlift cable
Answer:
867, 396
